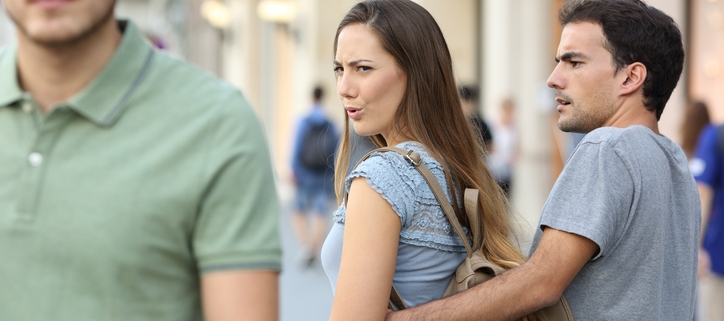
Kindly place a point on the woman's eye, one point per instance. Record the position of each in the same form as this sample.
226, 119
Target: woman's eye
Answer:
364, 68
338, 69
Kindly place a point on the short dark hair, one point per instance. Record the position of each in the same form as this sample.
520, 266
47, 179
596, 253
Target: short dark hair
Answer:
469, 93
318, 93
636, 32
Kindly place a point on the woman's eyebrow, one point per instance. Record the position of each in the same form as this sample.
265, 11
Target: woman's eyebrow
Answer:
353, 62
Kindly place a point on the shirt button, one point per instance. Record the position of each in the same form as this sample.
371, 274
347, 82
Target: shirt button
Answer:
35, 159
27, 107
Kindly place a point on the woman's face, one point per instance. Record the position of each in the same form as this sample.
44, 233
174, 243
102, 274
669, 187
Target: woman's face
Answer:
369, 82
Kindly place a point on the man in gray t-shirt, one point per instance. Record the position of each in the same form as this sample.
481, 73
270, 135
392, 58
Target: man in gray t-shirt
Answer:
630, 192
618, 234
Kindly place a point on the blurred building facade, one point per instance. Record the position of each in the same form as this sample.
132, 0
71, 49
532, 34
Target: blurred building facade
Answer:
706, 55
277, 50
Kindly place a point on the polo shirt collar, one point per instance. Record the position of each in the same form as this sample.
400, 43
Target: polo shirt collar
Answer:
108, 95
10, 91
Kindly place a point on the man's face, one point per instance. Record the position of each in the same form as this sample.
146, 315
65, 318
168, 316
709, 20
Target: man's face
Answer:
58, 22
584, 79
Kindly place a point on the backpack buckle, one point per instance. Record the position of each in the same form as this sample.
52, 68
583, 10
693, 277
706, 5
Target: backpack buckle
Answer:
413, 157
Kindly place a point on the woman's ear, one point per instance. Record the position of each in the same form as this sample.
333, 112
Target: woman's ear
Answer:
635, 78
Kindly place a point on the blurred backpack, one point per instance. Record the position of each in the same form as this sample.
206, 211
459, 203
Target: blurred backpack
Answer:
317, 147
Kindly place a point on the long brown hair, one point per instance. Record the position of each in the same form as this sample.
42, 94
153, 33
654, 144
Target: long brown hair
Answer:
696, 117
431, 113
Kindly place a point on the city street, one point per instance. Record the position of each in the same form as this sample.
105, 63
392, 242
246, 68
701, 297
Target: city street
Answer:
305, 293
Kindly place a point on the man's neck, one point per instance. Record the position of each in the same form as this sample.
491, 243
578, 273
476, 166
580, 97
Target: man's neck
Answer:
54, 74
633, 112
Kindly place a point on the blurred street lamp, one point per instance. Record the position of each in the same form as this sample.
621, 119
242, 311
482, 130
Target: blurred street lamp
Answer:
276, 11
216, 13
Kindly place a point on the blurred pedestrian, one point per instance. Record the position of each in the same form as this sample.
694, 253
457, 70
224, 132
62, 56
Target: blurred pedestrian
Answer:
395, 80
696, 118
505, 146
470, 97
707, 165
313, 166
133, 186
619, 231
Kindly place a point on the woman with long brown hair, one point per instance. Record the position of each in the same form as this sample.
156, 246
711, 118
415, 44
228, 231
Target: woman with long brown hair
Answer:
395, 80
696, 118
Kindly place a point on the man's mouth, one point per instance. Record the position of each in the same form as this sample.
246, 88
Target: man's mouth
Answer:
563, 101
50, 4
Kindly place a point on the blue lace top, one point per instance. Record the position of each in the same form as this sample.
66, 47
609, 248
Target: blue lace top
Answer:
429, 249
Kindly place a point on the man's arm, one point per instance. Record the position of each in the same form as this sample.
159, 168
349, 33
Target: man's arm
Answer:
240, 295
538, 283
706, 196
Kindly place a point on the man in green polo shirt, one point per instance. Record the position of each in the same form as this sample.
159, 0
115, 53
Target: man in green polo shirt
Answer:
133, 186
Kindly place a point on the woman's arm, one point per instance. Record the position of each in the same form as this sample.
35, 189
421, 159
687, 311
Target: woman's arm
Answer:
369, 254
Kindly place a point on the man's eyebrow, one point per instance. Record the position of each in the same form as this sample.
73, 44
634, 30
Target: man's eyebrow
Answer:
353, 62
569, 55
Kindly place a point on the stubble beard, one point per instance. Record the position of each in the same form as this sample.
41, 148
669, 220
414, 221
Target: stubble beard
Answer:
580, 121
584, 119
72, 39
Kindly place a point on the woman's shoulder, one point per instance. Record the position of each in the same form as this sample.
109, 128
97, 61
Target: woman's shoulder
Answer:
393, 177
385, 162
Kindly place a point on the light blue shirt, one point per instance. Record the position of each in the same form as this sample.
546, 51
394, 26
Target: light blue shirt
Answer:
429, 250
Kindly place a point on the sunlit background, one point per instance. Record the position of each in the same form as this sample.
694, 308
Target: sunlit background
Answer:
276, 51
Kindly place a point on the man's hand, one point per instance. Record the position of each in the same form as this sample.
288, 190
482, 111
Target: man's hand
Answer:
538, 283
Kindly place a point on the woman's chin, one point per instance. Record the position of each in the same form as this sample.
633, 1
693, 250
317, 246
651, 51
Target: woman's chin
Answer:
360, 130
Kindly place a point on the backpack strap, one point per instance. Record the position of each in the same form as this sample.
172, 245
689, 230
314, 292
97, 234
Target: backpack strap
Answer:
471, 208
471, 195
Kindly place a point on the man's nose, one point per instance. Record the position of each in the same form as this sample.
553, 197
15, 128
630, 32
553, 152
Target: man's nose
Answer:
555, 80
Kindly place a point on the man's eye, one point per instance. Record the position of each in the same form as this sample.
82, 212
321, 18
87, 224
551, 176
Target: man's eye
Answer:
575, 63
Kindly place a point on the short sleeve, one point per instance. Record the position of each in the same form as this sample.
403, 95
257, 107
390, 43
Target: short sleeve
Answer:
704, 165
403, 187
390, 175
592, 197
237, 223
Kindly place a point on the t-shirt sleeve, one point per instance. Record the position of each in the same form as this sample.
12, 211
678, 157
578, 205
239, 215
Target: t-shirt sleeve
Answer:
392, 177
704, 165
237, 222
592, 197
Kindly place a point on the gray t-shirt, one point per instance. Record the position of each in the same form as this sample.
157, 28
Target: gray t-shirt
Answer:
629, 191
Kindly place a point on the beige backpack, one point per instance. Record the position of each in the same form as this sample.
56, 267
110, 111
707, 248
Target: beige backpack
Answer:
476, 268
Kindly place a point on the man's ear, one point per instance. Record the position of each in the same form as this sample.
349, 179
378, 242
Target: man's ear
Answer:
635, 76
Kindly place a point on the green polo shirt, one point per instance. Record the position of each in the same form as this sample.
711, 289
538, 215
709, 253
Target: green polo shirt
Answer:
115, 202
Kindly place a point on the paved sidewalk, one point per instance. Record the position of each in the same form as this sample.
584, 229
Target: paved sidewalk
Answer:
305, 293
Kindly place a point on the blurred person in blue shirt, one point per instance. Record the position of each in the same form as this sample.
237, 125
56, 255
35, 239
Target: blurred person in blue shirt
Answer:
707, 166
313, 166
